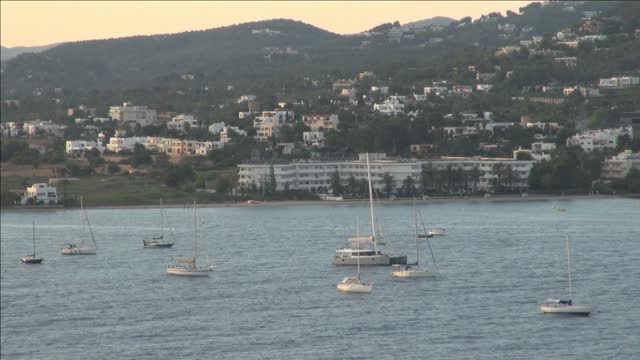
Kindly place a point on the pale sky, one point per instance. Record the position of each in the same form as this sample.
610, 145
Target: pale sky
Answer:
30, 23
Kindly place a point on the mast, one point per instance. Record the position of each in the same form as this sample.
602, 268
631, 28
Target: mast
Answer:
373, 224
358, 257
93, 239
161, 220
357, 226
415, 224
569, 267
194, 232
34, 238
82, 219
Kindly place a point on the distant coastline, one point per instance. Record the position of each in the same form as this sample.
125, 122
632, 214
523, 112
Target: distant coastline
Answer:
401, 201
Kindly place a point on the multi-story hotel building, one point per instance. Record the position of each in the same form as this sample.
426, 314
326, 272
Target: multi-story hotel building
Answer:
316, 175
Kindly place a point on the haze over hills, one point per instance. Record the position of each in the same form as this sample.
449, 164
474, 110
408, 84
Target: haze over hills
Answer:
255, 52
8, 53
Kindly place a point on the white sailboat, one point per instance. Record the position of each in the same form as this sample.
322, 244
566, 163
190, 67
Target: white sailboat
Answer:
556, 306
364, 249
188, 266
414, 270
353, 284
83, 248
32, 258
158, 241
437, 232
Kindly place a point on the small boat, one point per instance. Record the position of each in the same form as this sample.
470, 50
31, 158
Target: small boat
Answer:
437, 232
353, 284
415, 270
188, 266
555, 306
83, 248
364, 249
32, 258
156, 242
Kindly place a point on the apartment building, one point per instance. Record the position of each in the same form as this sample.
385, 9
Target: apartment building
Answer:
128, 113
182, 121
321, 122
599, 139
316, 175
77, 148
41, 193
618, 166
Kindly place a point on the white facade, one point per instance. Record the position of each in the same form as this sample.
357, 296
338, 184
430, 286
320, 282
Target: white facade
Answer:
215, 128
245, 98
179, 122
624, 82
119, 144
618, 166
31, 128
391, 106
599, 139
484, 87
41, 193
321, 122
269, 122
316, 176
313, 138
456, 131
225, 134
380, 89
436, 90
138, 114
74, 148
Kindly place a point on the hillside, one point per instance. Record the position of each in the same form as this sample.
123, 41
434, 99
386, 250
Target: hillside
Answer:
8, 53
276, 51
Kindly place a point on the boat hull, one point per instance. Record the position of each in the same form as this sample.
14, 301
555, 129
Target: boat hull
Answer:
583, 310
370, 260
355, 288
31, 260
412, 273
78, 251
188, 272
156, 245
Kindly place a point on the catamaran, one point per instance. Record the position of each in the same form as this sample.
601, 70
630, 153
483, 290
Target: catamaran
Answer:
188, 266
32, 258
364, 249
83, 248
415, 270
353, 284
556, 306
157, 241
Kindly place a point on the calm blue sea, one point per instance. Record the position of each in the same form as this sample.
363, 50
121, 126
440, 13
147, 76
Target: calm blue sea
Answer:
272, 294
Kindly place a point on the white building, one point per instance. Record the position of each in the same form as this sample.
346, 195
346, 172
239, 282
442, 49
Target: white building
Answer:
225, 133
420, 97
316, 175
41, 194
119, 144
618, 166
321, 122
436, 90
215, 128
138, 114
313, 138
623, 82
539, 151
75, 148
180, 122
268, 124
391, 106
456, 131
246, 98
599, 139
31, 128
484, 87
380, 89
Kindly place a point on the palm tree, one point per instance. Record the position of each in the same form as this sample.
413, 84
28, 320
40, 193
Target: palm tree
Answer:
449, 176
427, 177
409, 186
498, 169
387, 179
510, 175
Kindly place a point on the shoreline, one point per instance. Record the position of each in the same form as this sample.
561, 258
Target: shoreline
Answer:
401, 201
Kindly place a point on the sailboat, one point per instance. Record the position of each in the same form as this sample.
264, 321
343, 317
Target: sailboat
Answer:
83, 248
32, 259
369, 255
353, 284
555, 306
157, 241
188, 266
415, 270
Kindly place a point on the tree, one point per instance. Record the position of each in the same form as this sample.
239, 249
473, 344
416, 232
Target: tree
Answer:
475, 174
180, 174
509, 175
271, 185
387, 179
113, 169
426, 177
352, 186
409, 187
335, 185
498, 171
140, 156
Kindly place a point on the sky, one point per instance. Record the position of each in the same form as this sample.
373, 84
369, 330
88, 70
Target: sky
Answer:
31, 23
